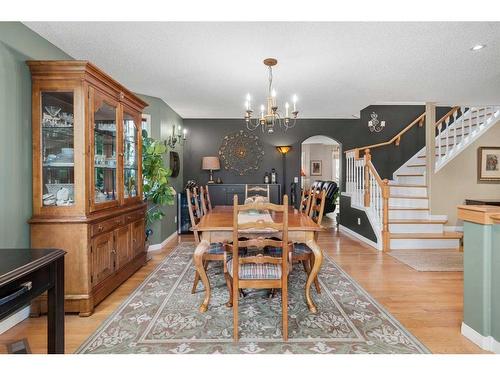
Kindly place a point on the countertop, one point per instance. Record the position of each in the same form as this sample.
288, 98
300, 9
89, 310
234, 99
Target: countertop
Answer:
480, 214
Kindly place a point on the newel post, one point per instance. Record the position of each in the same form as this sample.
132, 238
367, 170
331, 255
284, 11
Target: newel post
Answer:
386, 238
368, 159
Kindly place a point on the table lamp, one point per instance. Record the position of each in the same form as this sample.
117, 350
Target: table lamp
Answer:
210, 163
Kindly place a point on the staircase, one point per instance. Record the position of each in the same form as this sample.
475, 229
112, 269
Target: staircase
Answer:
399, 209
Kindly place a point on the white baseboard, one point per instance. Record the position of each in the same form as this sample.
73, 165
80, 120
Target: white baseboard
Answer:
359, 237
450, 228
163, 243
12, 320
486, 343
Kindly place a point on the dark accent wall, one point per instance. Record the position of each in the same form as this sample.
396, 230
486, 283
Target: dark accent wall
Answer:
388, 159
349, 219
205, 137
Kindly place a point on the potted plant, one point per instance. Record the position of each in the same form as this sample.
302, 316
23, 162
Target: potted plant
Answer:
157, 190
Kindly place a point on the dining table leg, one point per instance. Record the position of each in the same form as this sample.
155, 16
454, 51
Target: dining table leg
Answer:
318, 259
200, 250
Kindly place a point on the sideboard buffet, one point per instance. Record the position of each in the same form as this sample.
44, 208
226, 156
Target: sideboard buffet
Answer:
87, 181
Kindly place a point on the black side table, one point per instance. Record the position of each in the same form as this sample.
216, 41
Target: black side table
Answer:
27, 273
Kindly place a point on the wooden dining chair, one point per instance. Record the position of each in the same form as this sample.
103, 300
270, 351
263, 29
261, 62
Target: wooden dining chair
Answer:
305, 201
301, 252
216, 250
258, 271
259, 190
206, 203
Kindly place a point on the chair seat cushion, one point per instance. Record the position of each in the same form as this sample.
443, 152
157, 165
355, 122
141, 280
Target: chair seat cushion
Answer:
216, 248
298, 249
253, 271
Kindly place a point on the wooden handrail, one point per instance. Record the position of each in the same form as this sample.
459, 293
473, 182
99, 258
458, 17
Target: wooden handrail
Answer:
450, 112
384, 187
396, 139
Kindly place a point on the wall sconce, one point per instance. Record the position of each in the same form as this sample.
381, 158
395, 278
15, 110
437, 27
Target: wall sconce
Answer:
176, 137
374, 124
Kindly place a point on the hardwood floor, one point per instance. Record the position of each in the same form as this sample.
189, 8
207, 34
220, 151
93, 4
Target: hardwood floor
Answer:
428, 304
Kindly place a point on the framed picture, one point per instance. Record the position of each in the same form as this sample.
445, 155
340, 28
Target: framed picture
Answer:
175, 163
316, 168
488, 164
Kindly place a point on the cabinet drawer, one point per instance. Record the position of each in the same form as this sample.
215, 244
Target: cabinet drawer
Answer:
106, 225
133, 216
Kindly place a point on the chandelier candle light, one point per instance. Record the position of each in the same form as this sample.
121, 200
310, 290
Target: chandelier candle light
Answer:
270, 116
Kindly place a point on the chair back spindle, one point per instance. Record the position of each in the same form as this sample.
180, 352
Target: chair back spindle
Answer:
305, 201
206, 203
195, 213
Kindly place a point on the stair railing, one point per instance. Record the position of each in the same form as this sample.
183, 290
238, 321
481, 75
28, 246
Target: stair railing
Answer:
368, 190
457, 128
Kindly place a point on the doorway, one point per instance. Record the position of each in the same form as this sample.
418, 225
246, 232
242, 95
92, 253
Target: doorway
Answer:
321, 161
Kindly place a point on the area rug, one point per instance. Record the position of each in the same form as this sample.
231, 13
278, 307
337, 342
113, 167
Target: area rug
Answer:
431, 260
161, 316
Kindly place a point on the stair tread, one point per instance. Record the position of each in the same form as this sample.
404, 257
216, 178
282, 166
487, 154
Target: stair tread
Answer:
407, 185
450, 249
444, 235
408, 197
417, 221
407, 208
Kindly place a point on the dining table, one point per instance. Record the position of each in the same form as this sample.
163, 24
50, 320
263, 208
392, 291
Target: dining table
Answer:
217, 226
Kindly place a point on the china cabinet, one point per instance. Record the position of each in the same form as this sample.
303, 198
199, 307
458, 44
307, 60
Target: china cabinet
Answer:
86, 178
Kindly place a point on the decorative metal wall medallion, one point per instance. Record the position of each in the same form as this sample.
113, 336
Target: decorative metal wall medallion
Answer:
241, 152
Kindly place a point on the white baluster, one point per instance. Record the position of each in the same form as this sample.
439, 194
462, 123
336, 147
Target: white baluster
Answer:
447, 133
461, 127
440, 131
470, 122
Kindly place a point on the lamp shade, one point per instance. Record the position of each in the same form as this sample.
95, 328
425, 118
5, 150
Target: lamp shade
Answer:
283, 149
210, 163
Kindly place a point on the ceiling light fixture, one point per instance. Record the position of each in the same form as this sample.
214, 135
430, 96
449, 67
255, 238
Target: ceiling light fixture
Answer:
270, 117
478, 47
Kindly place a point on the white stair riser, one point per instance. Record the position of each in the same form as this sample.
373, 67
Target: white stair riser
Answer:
412, 170
416, 228
424, 243
410, 180
409, 191
408, 202
408, 214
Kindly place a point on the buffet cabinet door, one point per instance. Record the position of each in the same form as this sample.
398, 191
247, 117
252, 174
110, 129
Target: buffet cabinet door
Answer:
58, 143
102, 252
137, 237
130, 156
122, 246
104, 150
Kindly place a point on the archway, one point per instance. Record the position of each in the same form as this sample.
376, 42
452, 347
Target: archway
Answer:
321, 160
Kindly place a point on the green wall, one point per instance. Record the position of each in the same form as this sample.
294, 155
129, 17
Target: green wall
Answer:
17, 44
162, 119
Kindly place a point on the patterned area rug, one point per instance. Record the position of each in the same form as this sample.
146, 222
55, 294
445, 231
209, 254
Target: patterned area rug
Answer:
431, 260
161, 316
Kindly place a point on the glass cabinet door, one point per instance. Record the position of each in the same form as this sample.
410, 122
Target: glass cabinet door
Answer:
130, 155
105, 143
57, 148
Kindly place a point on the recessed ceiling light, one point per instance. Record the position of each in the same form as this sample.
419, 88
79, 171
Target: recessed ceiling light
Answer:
477, 47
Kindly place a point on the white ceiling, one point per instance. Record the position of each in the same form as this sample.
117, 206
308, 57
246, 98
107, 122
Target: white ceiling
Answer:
204, 70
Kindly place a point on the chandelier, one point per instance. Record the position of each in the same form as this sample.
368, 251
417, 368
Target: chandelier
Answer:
270, 116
